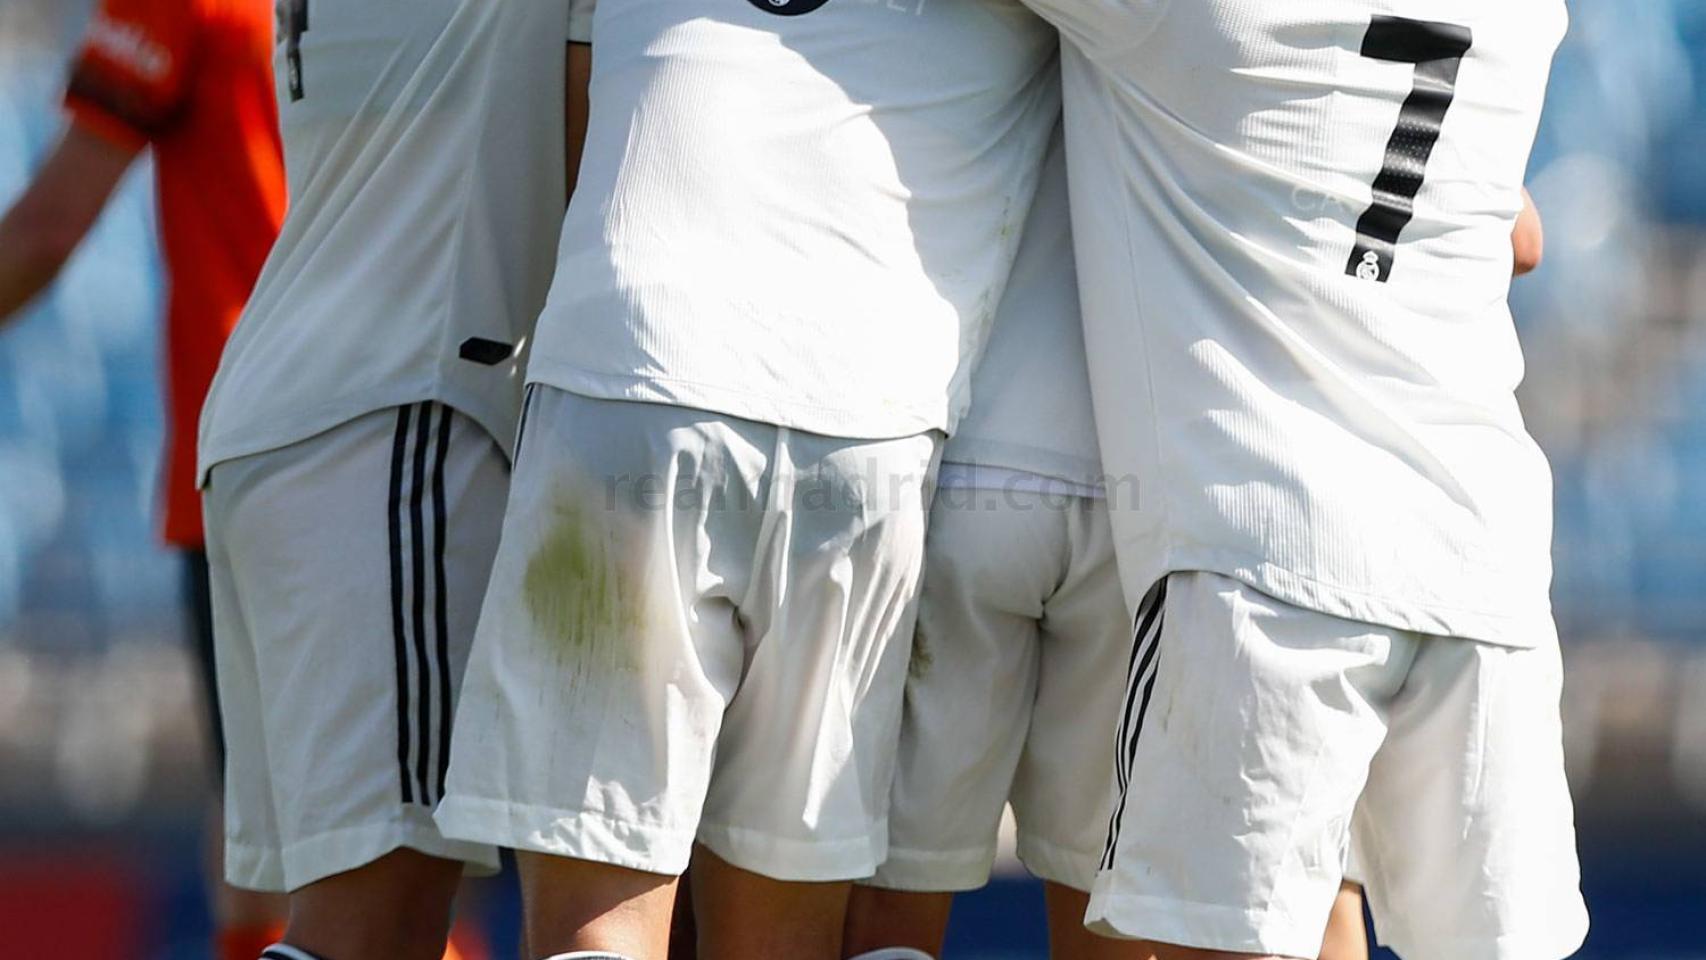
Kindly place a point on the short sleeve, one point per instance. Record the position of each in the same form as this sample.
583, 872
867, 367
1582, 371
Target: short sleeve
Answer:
129, 78
580, 20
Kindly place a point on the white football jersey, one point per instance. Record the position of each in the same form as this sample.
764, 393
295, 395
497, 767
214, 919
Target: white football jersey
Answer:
1030, 396
424, 151
1293, 227
797, 211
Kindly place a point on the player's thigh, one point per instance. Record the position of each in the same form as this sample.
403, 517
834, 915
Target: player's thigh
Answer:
989, 569
806, 758
608, 647
357, 559
1246, 736
1064, 789
1466, 830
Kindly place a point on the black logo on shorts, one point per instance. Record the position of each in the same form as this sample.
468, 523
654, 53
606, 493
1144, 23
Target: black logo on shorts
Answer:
787, 8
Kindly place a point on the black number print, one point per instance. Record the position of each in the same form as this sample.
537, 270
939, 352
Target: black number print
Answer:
293, 24
788, 8
1437, 50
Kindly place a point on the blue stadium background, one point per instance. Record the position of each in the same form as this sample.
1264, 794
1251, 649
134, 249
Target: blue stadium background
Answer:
101, 770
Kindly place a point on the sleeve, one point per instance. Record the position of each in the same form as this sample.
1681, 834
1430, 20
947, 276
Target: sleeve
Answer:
128, 81
580, 20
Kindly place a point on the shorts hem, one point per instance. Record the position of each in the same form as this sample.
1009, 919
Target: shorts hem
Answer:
562, 832
340, 851
1553, 944
250, 867
1205, 926
911, 870
1057, 863
802, 861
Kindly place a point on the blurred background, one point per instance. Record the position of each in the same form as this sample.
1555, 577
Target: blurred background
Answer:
102, 770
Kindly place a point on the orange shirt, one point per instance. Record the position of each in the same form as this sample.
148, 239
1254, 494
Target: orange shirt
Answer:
194, 80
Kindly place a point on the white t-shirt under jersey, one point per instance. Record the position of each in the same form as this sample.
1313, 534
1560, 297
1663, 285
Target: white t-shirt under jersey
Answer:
1030, 396
424, 149
798, 212
1296, 312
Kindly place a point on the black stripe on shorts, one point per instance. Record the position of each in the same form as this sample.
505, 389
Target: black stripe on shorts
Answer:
1140, 687
399, 631
441, 612
420, 632
417, 570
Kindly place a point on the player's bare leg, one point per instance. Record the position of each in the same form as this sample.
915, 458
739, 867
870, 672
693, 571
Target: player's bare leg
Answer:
683, 931
878, 918
1069, 940
742, 915
1347, 938
397, 907
582, 905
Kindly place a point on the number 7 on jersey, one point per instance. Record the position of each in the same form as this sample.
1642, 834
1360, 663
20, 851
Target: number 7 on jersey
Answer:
1437, 50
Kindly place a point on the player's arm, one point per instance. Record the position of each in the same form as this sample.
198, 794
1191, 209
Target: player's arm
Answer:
577, 79
55, 212
1529, 237
576, 104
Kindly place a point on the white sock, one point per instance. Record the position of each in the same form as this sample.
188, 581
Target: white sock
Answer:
587, 955
284, 951
895, 953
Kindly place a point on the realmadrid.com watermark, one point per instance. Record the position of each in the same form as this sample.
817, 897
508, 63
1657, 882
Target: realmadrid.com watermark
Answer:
871, 490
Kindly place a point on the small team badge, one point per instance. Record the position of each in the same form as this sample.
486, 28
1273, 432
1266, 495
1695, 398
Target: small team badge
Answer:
787, 8
1369, 268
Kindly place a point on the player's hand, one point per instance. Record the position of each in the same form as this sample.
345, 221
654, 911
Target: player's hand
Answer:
1528, 240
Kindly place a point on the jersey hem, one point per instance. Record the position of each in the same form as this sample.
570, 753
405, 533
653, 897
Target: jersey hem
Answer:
825, 421
1083, 471
986, 478
1522, 630
242, 440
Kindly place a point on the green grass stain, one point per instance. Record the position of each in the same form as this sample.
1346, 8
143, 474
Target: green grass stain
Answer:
922, 658
579, 594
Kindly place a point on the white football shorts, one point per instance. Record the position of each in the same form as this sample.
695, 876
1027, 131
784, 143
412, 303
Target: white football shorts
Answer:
1260, 741
696, 632
347, 572
1018, 666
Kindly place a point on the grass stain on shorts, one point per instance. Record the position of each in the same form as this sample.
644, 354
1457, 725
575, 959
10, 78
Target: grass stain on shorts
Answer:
579, 593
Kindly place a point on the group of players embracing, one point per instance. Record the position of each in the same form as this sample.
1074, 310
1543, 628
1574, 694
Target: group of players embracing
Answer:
795, 504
